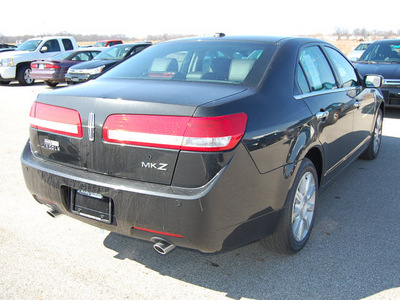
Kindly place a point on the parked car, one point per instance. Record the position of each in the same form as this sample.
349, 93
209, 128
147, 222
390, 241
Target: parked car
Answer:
7, 47
16, 65
383, 58
107, 43
200, 143
53, 70
358, 51
101, 63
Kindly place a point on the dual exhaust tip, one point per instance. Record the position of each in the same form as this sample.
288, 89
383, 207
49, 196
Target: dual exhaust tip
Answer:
161, 246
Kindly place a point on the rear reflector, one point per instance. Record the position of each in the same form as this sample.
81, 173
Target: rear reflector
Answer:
160, 232
56, 119
175, 132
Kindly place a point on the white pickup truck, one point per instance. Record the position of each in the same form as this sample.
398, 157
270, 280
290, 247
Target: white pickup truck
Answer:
16, 65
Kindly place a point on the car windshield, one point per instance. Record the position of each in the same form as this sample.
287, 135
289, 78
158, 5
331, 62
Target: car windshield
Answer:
29, 45
100, 44
115, 52
202, 61
387, 52
362, 46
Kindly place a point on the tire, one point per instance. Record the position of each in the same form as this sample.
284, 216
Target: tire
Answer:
51, 83
375, 144
23, 76
298, 216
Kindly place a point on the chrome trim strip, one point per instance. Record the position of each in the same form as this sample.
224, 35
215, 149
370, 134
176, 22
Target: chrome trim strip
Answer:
324, 92
91, 127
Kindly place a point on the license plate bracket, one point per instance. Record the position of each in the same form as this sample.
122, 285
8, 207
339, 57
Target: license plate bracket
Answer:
91, 205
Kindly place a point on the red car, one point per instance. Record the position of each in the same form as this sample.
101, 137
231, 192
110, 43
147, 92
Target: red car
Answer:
53, 70
107, 43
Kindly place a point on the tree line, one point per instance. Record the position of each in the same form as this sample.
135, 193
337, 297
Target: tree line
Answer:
85, 38
340, 34
364, 34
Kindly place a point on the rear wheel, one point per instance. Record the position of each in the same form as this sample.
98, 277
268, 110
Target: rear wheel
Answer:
24, 75
297, 217
375, 144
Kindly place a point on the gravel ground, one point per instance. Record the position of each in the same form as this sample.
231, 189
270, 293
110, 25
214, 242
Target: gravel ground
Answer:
353, 251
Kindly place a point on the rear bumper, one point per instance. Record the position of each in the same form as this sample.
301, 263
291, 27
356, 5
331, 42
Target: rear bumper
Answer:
48, 76
223, 214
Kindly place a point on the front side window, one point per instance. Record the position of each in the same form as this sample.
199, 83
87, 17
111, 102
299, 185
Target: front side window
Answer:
346, 71
201, 61
52, 46
316, 69
82, 56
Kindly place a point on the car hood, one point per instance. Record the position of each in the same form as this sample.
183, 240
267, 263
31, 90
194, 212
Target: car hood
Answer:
12, 54
387, 70
94, 64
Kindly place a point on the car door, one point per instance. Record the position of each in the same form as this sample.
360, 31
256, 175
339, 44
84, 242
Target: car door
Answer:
330, 105
364, 100
50, 48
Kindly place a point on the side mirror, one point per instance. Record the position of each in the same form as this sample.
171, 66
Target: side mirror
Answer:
44, 49
373, 81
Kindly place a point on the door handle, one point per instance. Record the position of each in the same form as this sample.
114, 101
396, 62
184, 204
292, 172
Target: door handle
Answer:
322, 115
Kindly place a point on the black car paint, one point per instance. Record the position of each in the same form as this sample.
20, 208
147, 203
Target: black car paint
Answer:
390, 72
216, 200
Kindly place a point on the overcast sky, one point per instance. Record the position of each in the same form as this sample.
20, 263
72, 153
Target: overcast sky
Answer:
201, 17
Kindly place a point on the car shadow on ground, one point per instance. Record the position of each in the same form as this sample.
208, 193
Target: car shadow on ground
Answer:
352, 252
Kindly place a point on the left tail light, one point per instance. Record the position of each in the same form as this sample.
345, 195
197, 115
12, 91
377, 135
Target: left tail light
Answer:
56, 119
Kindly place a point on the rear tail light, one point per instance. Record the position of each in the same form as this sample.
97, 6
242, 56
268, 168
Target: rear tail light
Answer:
56, 119
45, 66
175, 132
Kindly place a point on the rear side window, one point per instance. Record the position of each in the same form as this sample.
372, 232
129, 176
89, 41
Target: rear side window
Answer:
346, 71
67, 44
316, 69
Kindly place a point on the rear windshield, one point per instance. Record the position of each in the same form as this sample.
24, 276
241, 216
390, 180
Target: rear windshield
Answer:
203, 61
388, 52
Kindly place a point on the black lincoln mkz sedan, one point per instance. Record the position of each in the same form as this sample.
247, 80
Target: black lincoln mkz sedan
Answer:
205, 143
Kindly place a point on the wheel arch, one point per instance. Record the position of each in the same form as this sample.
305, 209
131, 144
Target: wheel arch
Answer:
315, 155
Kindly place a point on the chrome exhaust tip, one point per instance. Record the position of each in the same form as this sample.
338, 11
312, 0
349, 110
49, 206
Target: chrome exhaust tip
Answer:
162, 246
53, 213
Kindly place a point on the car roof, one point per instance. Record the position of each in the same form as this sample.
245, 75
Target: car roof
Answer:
251, 38
388, 41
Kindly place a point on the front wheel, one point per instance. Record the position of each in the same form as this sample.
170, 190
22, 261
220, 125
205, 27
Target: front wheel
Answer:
297, 217
375, 144
24, 76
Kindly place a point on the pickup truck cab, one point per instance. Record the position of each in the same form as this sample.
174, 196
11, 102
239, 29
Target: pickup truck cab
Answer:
16, 65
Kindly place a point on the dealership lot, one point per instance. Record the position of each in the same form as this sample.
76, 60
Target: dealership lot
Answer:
352, 252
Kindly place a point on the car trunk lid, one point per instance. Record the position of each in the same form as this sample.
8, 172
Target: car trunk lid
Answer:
103, 98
